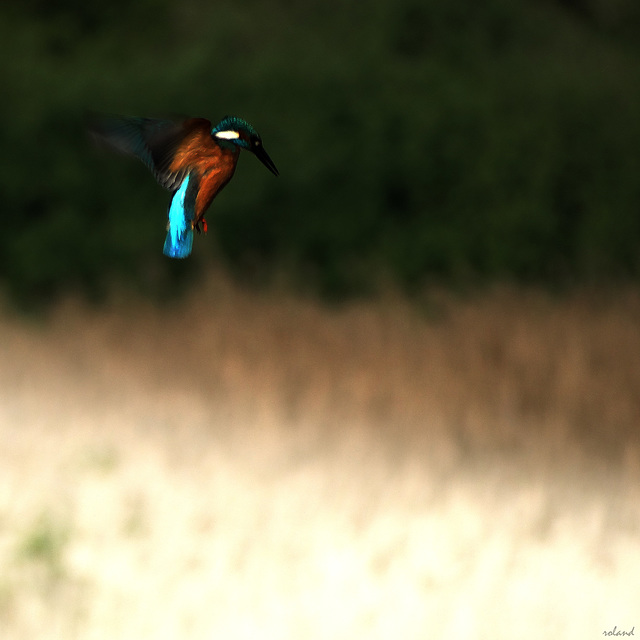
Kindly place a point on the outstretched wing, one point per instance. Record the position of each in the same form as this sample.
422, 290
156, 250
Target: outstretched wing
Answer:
153, 141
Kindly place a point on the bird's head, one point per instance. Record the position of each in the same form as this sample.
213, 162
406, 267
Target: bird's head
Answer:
232, 131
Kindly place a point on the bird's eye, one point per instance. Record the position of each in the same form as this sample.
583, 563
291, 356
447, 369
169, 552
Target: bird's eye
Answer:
256, 143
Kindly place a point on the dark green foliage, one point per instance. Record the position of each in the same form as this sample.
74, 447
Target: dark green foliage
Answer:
481, 139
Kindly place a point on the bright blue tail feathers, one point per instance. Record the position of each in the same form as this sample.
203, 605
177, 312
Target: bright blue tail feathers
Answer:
179, 230
178, 247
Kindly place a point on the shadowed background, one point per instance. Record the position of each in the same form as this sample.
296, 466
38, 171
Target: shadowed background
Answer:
418, 140
394, 392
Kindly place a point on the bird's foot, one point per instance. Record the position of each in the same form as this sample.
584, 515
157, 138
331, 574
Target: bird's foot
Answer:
201, 229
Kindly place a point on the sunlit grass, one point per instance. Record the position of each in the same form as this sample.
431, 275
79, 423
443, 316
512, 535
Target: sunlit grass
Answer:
43, 545
249, 465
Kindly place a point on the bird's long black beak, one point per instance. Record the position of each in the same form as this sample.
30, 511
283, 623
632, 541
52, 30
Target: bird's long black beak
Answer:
263, 156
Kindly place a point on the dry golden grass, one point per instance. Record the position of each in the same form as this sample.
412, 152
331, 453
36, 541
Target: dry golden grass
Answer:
247, 465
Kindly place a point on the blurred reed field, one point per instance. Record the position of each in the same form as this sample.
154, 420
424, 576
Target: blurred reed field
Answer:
248, 464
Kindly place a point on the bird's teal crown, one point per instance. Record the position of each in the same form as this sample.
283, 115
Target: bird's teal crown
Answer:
233, 132
230, 125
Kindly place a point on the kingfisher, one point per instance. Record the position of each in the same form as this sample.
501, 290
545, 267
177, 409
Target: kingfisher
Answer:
191, 158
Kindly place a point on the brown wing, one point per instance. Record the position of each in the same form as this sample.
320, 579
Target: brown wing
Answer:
158, 143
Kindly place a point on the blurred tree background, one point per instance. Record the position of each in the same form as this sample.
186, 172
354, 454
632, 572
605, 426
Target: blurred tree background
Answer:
417, 140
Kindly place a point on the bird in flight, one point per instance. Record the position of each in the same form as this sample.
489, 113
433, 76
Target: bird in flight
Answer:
191, 158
